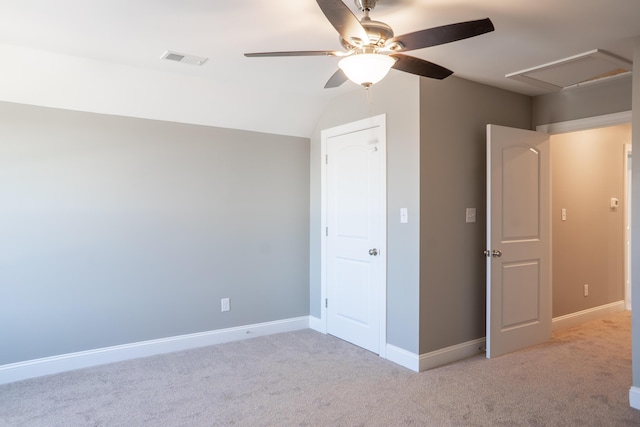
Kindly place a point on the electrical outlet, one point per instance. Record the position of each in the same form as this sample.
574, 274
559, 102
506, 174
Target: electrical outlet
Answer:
586, 290
224, 304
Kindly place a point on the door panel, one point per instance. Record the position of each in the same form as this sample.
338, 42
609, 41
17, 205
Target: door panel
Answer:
520, 284
352, 281
518, 239
520, 193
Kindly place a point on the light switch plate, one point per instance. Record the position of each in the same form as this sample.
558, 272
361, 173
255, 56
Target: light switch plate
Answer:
404, 216
614, 203
471, 214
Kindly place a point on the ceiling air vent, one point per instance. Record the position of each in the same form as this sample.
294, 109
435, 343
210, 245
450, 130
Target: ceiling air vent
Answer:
184, 58
576, 70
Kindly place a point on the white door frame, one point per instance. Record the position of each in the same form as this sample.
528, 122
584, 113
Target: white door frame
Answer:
594, 123
628, 223
375, 121
588, 123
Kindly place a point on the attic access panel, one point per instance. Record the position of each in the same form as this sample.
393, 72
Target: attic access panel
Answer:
585, 67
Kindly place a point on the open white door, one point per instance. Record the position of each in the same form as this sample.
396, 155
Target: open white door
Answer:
518, 239
355, 232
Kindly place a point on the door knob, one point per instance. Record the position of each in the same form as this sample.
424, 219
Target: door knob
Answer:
373, 252
494, 253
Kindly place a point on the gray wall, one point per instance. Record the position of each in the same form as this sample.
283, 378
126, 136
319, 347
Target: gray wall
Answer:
590, 100
453, 118
397, 96
116, 230
587, 170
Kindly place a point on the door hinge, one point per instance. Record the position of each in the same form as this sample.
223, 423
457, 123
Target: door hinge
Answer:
326, 231
326, 159
326, 303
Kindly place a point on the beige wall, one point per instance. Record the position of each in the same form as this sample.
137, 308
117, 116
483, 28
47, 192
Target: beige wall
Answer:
453, 118
588, 248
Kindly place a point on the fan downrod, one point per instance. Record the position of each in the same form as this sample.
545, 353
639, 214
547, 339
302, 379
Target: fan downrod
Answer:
365, 5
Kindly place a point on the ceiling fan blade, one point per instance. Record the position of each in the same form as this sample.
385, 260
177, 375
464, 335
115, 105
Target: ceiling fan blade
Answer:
296, 53
420, 67
344, 21
441, 35
337, 79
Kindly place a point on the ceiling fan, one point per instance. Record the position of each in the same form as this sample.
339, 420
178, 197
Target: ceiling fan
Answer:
372, 49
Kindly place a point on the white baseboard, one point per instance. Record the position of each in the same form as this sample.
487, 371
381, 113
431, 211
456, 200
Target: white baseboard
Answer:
634, 397
436, 358
579, 317
402, 357
84, 359
451, 354
467, 349
317, 324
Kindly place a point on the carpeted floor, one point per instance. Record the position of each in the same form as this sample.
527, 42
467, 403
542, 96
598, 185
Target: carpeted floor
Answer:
580, 378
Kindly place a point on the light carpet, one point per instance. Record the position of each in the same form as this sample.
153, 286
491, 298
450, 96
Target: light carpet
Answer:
580, 378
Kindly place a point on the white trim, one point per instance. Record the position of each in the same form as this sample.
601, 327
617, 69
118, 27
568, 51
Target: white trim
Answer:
579, 317
587, 123
381, 121
451, 354
323, 232
403, 357
84, 359
634, 397
628, 224
488, 248
317, 324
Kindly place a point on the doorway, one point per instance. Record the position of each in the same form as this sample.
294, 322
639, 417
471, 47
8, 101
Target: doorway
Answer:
590, 213
588, 231
353, 228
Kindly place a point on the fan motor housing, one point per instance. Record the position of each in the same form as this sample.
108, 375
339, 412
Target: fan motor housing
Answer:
378, 33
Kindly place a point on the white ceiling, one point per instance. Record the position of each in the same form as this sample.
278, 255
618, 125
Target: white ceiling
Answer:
121, 41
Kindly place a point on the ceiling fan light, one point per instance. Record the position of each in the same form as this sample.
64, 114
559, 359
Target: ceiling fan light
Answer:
366, 69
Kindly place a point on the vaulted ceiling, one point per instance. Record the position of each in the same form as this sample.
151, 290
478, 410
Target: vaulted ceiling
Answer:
120, 42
